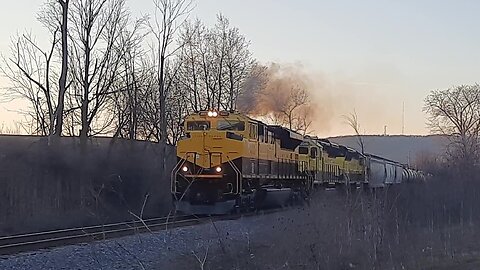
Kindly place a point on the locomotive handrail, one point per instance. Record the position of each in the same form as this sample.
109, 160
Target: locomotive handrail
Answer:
238, 175
176, 169
173, 175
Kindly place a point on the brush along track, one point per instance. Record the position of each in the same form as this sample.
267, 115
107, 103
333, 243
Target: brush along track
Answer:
48, 239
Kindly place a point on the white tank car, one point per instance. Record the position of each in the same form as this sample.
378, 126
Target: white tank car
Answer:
376, 172
404, 175
398, 173
390, 168
410, 175
382, 171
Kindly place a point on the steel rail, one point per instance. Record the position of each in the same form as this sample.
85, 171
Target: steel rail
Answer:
32, 241
41, 240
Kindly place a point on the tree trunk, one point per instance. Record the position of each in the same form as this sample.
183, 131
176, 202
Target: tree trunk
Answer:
232, 105
163, 116
63, 76
220, 83
135, 107
85, 101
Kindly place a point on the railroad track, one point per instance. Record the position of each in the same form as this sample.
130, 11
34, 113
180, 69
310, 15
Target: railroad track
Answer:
47, 239
34, 241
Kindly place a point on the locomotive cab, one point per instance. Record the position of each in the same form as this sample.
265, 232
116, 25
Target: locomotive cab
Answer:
310, 159
208, 156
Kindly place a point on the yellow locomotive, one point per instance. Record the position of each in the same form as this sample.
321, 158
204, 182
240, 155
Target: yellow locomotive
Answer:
330, 163
228, 161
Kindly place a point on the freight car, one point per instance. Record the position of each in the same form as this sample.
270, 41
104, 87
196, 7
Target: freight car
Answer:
228, 161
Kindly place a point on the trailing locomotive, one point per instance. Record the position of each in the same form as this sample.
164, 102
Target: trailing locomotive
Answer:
228, 161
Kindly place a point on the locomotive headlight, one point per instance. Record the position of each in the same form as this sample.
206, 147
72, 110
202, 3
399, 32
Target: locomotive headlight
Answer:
185, 169
210, 114
218, 169
214, 114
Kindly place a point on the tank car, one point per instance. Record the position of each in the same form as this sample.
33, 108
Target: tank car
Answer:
382, 171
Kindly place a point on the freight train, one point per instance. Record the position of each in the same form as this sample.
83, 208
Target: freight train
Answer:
228, 162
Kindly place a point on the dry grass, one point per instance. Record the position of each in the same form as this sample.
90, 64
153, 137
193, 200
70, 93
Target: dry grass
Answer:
47, 186
412, 226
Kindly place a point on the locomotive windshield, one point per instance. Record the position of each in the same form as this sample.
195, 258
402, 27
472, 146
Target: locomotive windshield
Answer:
303, 150
198, 125
234, 125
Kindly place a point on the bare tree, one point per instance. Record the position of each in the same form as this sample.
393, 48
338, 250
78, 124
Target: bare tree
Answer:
177, 104
297, 98
219, 40
191, 71
168, 17
352, 121
281, 95
239, 64
304, 120
149, 124
216, 64
255, 82
95, 31
455, 112
127, 102
289, 108
32, 70
199, 73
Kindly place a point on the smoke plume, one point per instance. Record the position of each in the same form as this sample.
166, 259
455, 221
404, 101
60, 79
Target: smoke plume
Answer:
287, 95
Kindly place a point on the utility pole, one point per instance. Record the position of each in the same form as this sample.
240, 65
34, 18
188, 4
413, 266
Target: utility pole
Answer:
385, 130
403, 118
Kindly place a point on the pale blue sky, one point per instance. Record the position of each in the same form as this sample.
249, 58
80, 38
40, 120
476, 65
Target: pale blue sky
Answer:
369, 55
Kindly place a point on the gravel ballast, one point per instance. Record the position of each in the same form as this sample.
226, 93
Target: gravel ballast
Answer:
358, 230
179, 248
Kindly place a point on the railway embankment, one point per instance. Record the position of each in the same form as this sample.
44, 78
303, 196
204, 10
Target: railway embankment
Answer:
413, 226
49, 186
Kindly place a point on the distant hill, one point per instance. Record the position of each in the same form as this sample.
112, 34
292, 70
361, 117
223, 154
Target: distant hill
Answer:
401, 148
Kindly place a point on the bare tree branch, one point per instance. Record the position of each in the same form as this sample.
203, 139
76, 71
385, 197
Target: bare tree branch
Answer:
352, 121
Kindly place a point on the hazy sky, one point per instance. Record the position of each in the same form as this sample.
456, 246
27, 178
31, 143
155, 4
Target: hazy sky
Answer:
368, 55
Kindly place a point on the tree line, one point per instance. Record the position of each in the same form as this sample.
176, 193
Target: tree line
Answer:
106, 72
